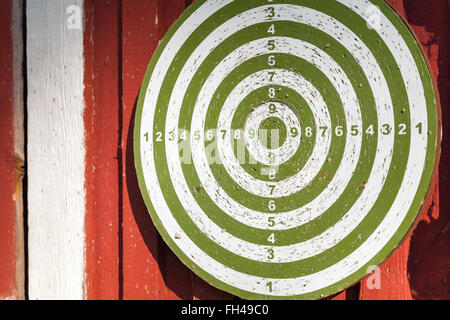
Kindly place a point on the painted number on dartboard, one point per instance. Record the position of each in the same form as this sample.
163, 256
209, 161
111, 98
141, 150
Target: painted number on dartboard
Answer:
271, 254
338, 131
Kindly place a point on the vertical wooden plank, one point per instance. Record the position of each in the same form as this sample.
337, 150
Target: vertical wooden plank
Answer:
394, 284
201, 289
101, 121
429, 254
150, 269
340, 296
56, 151
398, 278
204, 291
8, 284
19, 140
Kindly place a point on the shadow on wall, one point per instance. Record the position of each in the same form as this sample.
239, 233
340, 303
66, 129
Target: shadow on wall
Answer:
429, 256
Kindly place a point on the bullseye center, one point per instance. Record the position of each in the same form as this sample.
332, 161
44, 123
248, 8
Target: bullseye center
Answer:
272, 132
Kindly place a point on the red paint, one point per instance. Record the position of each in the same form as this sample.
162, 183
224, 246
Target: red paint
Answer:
150, 269
419, 269
8, 247
394, 284
101, 120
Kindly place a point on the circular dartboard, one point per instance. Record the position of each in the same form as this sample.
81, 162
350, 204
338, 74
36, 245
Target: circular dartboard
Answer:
284, 148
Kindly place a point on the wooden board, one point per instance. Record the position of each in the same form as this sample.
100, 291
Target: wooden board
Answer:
8, 246
113, 243
406, 275
302, 232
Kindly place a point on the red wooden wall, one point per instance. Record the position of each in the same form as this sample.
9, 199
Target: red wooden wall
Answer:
125, 256
8, 284
137, 264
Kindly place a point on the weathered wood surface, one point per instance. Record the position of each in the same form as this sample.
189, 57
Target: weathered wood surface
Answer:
56, 151
90, 235
102, 123
419, 268
144, 261
12, 261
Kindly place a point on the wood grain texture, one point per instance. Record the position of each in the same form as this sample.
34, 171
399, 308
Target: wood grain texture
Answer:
56, 151
200, 288
394, 284
8, 283
101, 121
419, 268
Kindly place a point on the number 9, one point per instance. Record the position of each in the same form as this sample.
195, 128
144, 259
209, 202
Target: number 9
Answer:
294, 132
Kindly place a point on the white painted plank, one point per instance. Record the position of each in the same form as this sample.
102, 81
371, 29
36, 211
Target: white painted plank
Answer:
56, 152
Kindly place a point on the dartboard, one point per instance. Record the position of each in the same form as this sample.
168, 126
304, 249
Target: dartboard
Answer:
284, 148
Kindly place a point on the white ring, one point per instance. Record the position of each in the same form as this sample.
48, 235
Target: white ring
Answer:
285, 187
353, 262
280, 154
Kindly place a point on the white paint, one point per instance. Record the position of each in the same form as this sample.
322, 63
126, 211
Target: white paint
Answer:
56, 152
361, 255
74, 17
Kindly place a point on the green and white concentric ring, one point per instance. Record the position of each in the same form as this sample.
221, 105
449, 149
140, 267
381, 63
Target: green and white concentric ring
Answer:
260, 152
239, 276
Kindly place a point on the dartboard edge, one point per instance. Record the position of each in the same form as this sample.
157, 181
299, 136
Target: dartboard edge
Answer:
390, 134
